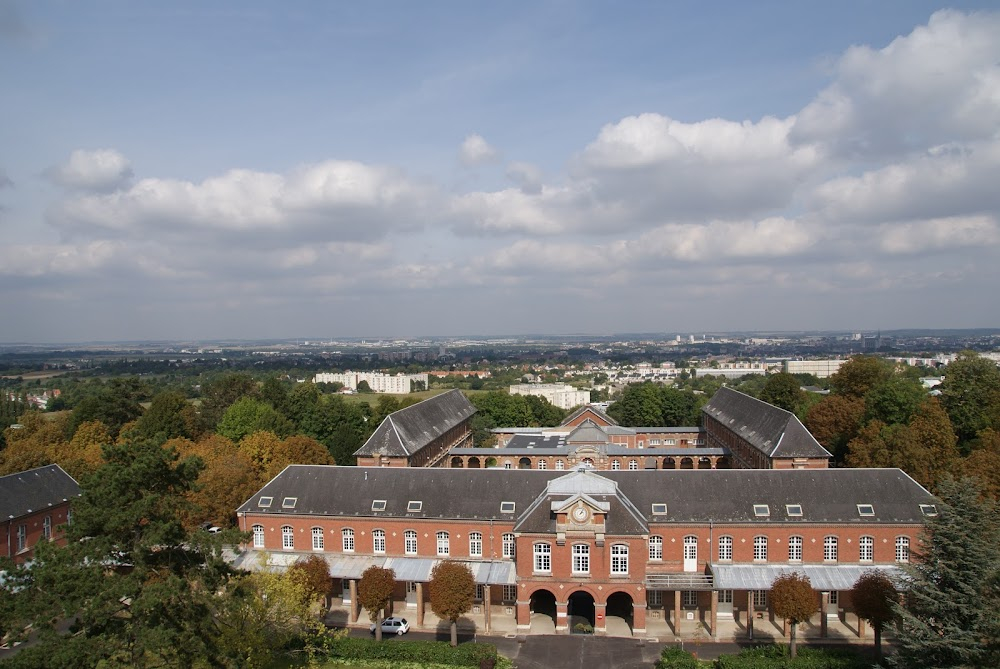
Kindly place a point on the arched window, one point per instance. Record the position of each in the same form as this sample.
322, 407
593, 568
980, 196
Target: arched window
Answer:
690, 548
258, 536
795, 549
541, 464
656, 548
616, 465
902, 549
287, 537
317, 535
760, 549
725, 549
410, 542
830, 549
619, 559
560, 464
866, 549
633, 465
508, 546
378, 541
347, 540
543, 558
581, 558
507, 464
443, 544
475, 544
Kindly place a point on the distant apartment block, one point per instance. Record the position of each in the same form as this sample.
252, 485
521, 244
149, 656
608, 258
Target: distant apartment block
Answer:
732, 370
397, 384
558, 394
821, 369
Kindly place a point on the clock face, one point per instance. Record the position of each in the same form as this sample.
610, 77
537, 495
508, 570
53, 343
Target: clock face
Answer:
580, 514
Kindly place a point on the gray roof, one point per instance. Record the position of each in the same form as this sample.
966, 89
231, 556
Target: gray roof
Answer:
821, 577
692, 496
526, 441
406, 431
775, 432
587, 432
35, 489
589, 407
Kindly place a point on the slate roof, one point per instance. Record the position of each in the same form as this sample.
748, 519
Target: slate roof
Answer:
775, 432
524, 441
404, 432
692, 496
588, 432
35, 489
595, 410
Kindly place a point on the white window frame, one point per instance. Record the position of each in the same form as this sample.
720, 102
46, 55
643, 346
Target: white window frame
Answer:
378, 542
902, 550
443, 544
475, 544
616, 465
508, 593
619, 560
830, 548
725, 596
581, 558
347, 540
258, 536
22, 538
560, 465
287, 537
725, 548
760, 548
508, 545
656, 548
795, 549
542, 464
866, 549
633, 465
543, 558
47, 528
410, 542
760, 599
318, 539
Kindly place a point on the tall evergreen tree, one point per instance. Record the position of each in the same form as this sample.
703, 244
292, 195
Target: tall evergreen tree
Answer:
949, 613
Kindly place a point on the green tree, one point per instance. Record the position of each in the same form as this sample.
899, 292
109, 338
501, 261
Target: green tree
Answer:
363, 387
894, 400
452, 589
248, 415
168, 416
114, 405
273, 392
219, 394
140, 589
948, 616
984, 463
782, 390
375, 594
970, 393
874, 598
638, 406
859, 375
794, 600
314, 573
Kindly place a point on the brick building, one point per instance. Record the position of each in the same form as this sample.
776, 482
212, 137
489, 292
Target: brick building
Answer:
685, 547
34, 505
421, 434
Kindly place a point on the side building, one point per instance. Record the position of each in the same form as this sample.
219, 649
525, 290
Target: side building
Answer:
34, 506
420, 435
662, 551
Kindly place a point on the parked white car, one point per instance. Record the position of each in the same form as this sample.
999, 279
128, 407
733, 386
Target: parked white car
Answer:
393, 625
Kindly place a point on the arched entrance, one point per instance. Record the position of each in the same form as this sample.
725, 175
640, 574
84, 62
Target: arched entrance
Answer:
543, 604
474, 463
456, 463
581, 612
619, 608
687, 463
524, 463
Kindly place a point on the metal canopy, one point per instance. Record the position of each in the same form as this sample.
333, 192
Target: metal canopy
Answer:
822, 577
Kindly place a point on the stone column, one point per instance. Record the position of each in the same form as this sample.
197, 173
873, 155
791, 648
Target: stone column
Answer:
750, 614
420, 604
714, 620
354, 600
486, 605
824, 601
677, 613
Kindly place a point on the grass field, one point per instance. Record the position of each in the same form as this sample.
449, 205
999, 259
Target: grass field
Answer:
371, 399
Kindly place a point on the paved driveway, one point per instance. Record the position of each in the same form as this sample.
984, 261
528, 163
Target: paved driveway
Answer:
576, 651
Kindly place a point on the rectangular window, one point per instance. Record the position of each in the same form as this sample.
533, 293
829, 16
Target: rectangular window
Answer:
654, 442
619, 560
761, 510
475, 544
317, 536
725, 549
725, 596
659, 509
902, 549
654, 597
793, 510
581, 559
760, 549
543, 558
410, 542
258, 536
287, 538
656, 548
689, 599
378, 541
508, 546
265, 502
928, 509
22, 538
506, 507
480, 592
760, 599
289, 502
834, 597
795, 549
414, 506
443, 544
47, 528
348, 540
866, 549
669, 442
378, 505
509, 593
866, 510
830, 549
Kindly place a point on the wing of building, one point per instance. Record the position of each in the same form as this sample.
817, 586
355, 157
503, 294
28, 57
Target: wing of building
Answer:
34, 505
644, 546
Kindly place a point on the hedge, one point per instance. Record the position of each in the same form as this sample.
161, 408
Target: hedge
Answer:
675, 658
776, 657
431, 652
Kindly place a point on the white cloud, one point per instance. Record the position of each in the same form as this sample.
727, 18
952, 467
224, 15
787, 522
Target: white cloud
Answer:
527, 177
102, 170
477, 151
941, 233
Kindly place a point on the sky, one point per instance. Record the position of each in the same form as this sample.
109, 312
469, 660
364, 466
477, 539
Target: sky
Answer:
257, 170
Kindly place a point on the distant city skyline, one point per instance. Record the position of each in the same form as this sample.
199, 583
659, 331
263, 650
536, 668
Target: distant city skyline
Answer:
252, 170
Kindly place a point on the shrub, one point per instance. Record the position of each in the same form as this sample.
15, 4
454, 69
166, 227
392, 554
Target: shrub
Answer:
777, 657
430, 652
675, 658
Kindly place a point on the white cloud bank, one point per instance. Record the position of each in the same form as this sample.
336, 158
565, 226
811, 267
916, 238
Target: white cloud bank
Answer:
101, 170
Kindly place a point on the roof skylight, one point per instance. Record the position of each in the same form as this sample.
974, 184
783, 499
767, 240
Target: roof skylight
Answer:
928, 509
761, 510
866, 510
659, 509
793, 509
289, 502
506, 507
414, 505
264, 502
378, 505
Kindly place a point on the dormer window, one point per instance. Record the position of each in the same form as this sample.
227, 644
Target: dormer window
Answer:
866, 510
761, 510
928, 509
793, 510
289, 502
659, 509
265, 502
378, 505
506, 507
414, 506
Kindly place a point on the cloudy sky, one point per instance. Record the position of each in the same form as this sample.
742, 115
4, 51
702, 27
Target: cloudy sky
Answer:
333, 169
